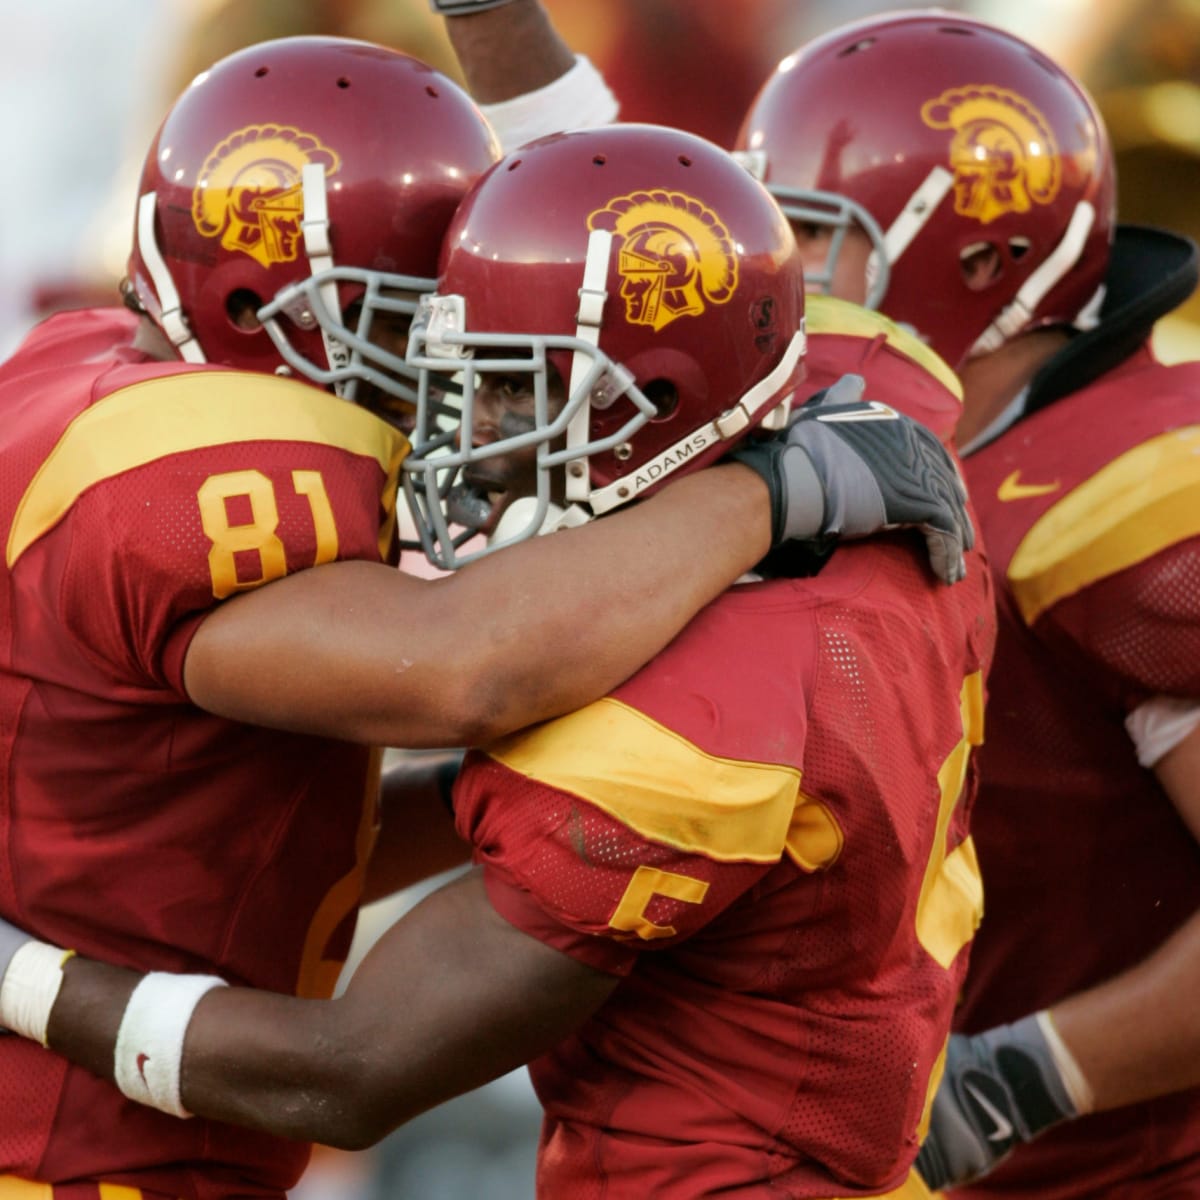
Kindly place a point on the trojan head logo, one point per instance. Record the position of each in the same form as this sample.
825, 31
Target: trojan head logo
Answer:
249, 192
1004, 155
675, 256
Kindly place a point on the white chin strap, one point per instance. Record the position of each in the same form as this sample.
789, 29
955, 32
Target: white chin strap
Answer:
170, 320
319, 250
922, 204
730, 424
592, 296
1017, 315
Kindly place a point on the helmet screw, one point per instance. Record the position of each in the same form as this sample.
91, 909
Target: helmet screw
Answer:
623, 452
576, 469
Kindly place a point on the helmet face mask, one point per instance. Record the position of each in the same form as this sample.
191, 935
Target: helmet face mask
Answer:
649, 317
307, 181
946, 136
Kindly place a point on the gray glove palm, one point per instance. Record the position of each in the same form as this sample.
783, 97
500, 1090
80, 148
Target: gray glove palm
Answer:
849, 468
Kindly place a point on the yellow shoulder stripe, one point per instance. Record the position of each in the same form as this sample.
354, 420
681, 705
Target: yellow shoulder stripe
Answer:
1139, 504
177, 413
828, 314
658, 783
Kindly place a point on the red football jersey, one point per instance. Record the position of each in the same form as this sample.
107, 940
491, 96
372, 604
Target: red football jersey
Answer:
134, 826
1091, 513
764, 833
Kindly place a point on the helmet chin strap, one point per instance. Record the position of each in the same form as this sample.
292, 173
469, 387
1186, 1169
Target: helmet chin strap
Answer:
592, 296
732, 423
170, 318
1019, 312
319, 250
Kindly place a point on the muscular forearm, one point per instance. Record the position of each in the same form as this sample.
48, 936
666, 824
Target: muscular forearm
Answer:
1138, 1035
450, 997
362, 652
593, 610
508, 51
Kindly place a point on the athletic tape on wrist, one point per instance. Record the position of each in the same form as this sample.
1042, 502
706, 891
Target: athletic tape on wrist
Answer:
30, 988
148, 1055
1073, 1078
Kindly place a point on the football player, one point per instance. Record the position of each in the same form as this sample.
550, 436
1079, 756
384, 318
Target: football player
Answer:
971, 182
686, 890
206, 632
958, 179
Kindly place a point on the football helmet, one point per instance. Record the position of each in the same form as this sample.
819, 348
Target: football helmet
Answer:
647, 295
943, 136
307, 181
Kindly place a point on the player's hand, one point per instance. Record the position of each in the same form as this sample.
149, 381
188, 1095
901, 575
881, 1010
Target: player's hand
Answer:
849, 468
1000, 1088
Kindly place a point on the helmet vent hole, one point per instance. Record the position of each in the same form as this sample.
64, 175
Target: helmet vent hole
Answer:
262, 72
684, 161
1018, 248
343, 83
431, 91
512, 166
599, 160
857, 48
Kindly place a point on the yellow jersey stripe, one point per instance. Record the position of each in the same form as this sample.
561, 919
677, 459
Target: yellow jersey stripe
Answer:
173, 414
1139, 504
658, 783
828, 314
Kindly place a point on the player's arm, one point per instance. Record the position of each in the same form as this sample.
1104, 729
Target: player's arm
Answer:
366, 653
417, 837
526, 79
450, 997
1138, 1035
1126, 1040
504, 49
362, 652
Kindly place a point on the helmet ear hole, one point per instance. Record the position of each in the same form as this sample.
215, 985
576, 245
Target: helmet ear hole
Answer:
981, 266
241, 307
663, 394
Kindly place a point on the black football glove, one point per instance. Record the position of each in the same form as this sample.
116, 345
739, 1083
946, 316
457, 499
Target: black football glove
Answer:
849, 468
1001, 1088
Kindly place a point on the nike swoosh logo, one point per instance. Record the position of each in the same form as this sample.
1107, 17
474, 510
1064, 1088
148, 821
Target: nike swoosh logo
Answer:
142, 1060
1013, 489
1004, 1129
864, 410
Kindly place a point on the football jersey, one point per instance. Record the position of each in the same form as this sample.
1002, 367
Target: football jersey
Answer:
764, 834
135, 827
1091, 512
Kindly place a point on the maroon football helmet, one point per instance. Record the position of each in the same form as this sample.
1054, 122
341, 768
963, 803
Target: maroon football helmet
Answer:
645, 270
309, 180
941, 136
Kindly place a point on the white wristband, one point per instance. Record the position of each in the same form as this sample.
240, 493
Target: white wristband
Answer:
149, 1052
30, 988
580, 99
1073, 1078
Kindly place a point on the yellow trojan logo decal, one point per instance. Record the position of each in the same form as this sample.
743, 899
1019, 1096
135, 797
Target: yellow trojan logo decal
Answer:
249, 193
675, 258
1004, 155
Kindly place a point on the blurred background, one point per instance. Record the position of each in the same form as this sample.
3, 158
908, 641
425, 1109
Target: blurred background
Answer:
83, 87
